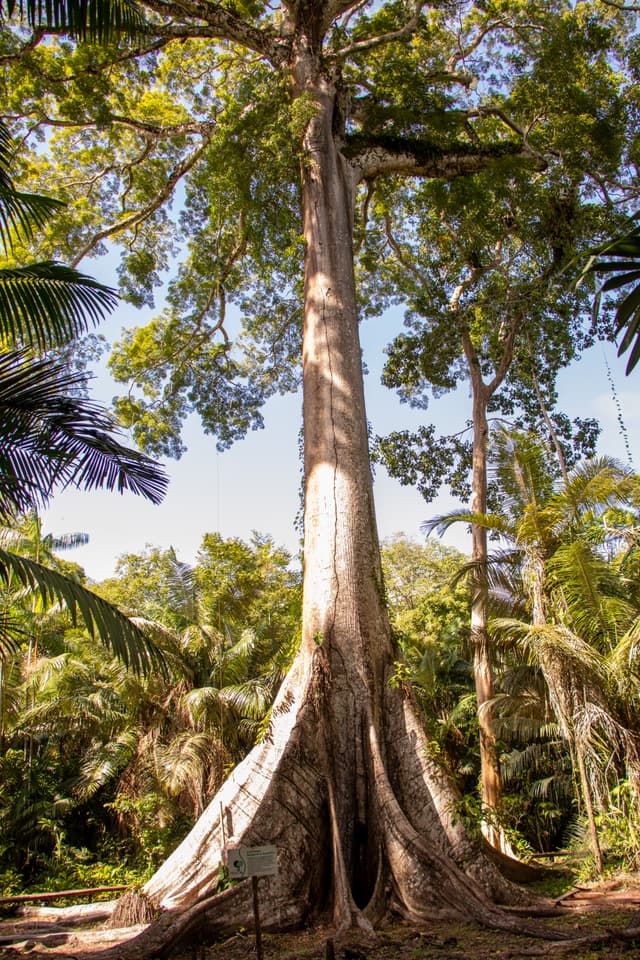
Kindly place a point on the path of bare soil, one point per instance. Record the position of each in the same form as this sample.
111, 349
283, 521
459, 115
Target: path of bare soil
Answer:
598, 912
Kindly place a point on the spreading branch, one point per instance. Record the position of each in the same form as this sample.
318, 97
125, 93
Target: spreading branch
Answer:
217, 23
139, 216
359, 46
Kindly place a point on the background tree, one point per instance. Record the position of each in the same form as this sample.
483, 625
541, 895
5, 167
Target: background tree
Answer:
582, 613
507, 329
479, 261
135, 758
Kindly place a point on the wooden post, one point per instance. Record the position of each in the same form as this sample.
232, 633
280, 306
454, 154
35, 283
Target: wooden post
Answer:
256, 917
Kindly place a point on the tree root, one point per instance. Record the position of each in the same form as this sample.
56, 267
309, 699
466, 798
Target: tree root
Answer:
362, 818
132, 908
624, 938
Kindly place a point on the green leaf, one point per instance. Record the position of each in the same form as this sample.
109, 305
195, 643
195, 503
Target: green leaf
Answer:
102, 619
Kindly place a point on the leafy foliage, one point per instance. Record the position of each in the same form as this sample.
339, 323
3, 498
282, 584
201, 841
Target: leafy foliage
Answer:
140, 756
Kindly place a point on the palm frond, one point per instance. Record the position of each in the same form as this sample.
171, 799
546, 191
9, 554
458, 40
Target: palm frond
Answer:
201, 702
47, 304
626, 270
104, 762
183, 762
250, 699
596, 484
102, 619
48, 439
583, 577
20, 213
441, 524
12, 634
532, 759
99, 20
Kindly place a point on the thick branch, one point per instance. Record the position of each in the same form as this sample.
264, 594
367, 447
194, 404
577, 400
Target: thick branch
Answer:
406, 30
507, 355
464, 52
374, 157
200, 128
97, 68
217, 22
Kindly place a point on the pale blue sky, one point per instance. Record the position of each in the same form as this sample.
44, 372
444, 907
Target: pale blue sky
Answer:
255, 485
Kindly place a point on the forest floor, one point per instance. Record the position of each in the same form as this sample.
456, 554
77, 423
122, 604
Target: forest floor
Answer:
598, 911
594, 912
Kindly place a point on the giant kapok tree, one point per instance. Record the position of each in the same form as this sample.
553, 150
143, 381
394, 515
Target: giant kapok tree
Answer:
277, 118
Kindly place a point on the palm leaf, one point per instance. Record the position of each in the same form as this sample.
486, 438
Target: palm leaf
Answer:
442, 523
105, 762
99, 20
12, 634
48, 304
50, 439
104, 621
588, 588
628, 312
184, 761
19, 212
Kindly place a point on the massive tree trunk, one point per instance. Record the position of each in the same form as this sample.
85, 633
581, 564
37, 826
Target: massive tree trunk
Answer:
343, 784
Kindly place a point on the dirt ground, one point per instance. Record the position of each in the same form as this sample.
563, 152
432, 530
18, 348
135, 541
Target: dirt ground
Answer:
597, 912
593, 912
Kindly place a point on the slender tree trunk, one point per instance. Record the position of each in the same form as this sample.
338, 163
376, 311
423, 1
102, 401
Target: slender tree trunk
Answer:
588, 803
491, 784
566, 699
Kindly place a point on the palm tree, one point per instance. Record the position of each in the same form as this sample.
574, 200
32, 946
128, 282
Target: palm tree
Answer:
49, 435
582, 615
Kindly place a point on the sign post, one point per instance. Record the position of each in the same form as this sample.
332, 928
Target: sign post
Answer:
252, 862
256, 917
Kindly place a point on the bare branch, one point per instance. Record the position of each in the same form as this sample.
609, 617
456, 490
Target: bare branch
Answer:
507, 354
350, 9
406, 30
198, 127
34, 40
338, 8
407, 264
473, 45
139, 216
364, 212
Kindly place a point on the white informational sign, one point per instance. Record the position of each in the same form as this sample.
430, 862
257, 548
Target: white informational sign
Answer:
251, 861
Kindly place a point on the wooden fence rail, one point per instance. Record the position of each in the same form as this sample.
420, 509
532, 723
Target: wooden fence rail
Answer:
58, 894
